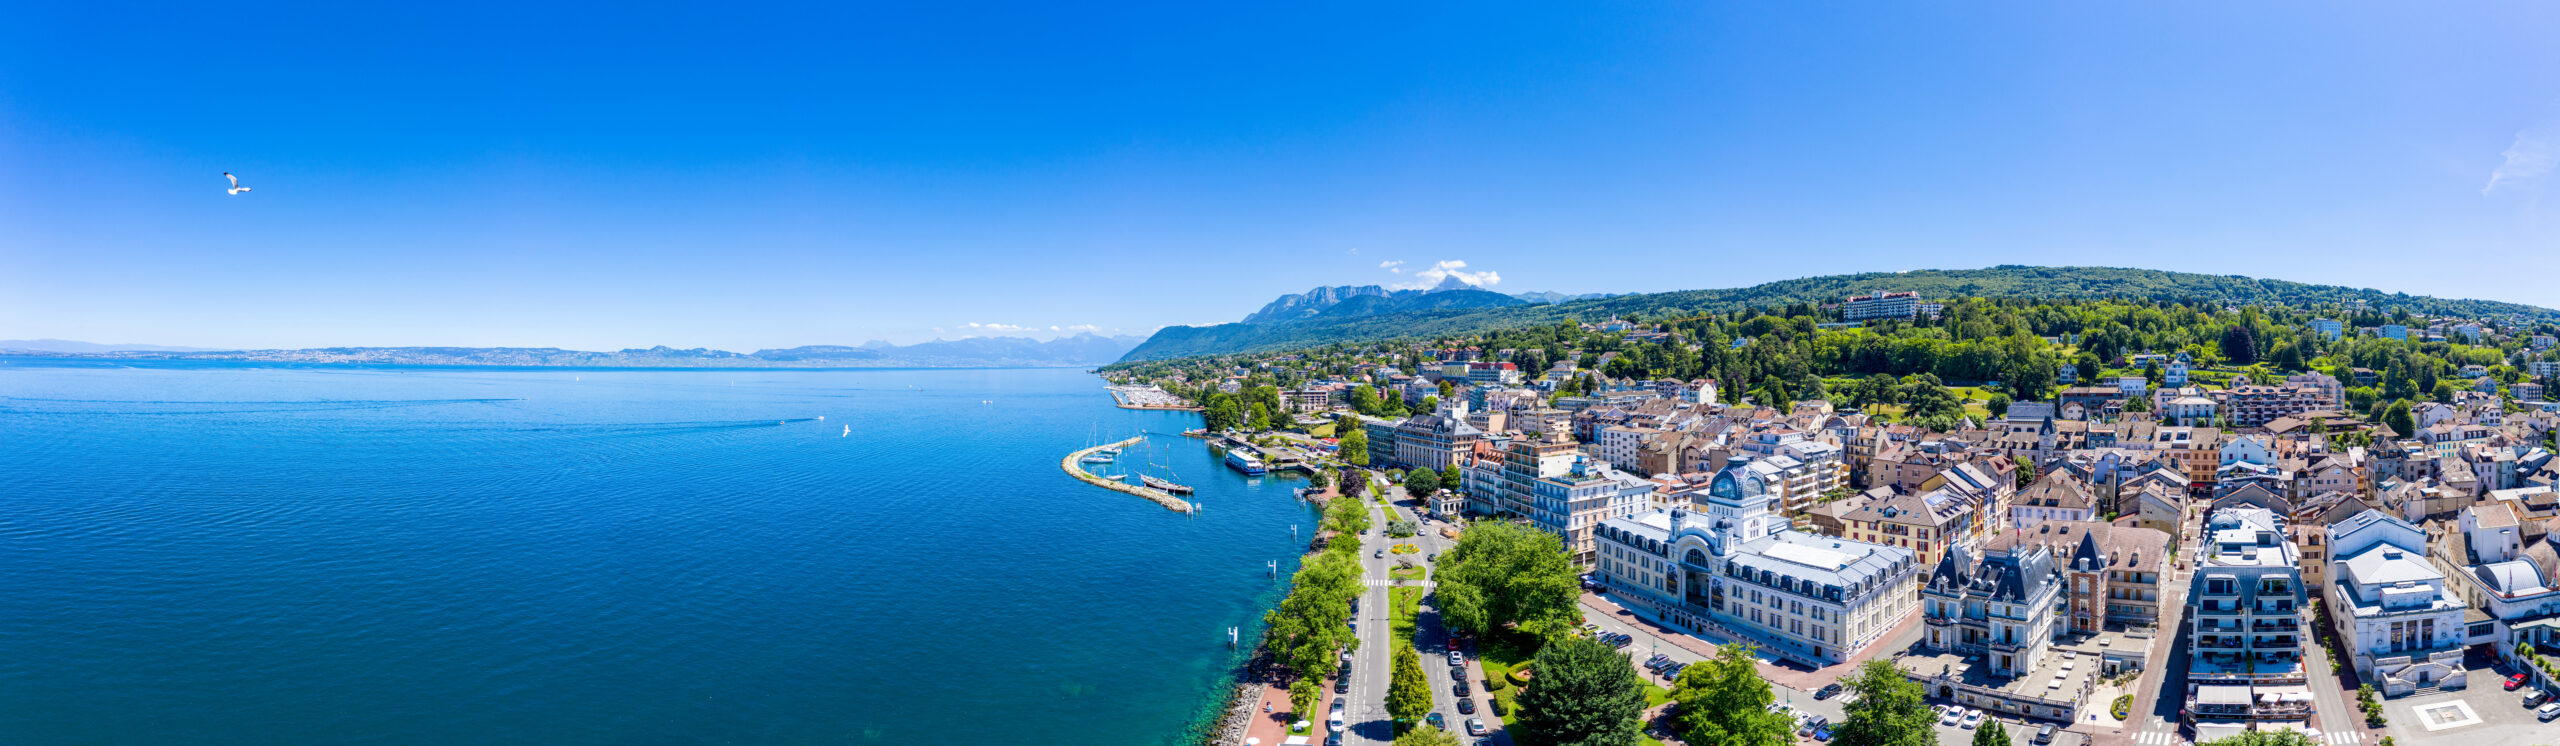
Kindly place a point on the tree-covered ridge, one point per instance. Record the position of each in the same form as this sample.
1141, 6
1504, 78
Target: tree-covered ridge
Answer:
2008, 282
2012, 350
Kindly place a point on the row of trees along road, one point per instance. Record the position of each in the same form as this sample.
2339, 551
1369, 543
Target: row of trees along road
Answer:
1313, 624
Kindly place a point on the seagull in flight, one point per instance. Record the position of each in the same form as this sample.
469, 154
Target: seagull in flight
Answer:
236, 188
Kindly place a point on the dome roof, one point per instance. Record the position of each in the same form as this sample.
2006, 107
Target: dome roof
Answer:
1737, 483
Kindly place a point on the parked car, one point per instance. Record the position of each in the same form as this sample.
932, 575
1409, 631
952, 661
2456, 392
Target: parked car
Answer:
1460, 688
2044, 733
1433, 719
1972, 718
2536, 697
1827, 691
1456, 659
2515, 682
1333, 739
1951, 715
1342, 685
2547, 712
1475, 726
1466, 705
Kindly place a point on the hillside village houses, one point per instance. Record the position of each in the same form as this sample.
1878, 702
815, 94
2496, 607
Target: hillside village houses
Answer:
1813, 530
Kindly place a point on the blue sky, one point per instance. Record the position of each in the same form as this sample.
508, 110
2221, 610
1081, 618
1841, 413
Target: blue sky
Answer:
741, 178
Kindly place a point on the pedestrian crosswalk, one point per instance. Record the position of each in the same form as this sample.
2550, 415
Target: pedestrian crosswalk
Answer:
2341, 738
2157, 738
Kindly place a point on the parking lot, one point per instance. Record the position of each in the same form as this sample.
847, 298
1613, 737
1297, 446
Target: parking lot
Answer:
2485, 713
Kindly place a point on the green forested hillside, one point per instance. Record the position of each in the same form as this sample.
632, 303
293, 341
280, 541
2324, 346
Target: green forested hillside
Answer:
2058, 283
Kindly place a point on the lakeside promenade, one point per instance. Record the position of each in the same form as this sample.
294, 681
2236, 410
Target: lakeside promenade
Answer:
1074, 466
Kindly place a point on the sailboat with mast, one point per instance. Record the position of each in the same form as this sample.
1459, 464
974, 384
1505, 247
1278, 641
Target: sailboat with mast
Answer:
1099, 456
1151, 480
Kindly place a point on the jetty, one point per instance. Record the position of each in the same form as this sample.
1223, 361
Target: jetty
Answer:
1074, 465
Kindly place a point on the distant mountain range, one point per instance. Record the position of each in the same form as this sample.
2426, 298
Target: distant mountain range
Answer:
65, 345
1346, 314
1349, 301
975, 352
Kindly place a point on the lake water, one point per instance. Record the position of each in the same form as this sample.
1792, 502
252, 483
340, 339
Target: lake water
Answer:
224, 554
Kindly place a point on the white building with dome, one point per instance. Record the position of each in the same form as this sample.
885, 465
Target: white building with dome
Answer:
1738, 568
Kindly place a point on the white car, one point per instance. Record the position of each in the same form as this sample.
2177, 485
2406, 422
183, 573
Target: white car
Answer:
1972, 718
1951, 715
1457, 660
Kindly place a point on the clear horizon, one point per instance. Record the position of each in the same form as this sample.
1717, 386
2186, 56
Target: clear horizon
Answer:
485, 175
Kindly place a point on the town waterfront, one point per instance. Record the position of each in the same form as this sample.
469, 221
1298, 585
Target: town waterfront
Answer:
231, 554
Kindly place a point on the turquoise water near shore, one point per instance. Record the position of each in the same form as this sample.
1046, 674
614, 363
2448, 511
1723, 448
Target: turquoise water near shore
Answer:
229, 554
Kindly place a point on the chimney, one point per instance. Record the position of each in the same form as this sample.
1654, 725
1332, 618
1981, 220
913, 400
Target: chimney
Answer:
1679, 518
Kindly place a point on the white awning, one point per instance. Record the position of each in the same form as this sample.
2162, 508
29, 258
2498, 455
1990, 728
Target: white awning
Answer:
2221, 695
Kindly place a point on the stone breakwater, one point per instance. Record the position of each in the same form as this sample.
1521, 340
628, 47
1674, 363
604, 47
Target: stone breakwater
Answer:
1074, 465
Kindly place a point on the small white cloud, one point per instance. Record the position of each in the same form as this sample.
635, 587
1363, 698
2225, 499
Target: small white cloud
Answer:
1076, 328
977, 327
1355, 250
1392, 266
2527, 160
1447, 269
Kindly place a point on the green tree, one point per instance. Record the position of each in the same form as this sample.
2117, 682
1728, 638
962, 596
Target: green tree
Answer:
1427, 736
1219, 414
2399, 419
2087, 368
1449, 478
1992, 733
1888, 711
1303, 695
1318, 480
1258, 418
1585, 694
1408, 691
2026, 474
2239, 345
1421, 482
1874, 390
1998, 404
2265, 738
1354, 447
1505, 573
1346, 516
1724, 701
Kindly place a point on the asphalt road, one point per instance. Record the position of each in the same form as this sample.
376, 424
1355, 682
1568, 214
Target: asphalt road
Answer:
1372, 669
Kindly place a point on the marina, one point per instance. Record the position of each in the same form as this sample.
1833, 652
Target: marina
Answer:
1073, 464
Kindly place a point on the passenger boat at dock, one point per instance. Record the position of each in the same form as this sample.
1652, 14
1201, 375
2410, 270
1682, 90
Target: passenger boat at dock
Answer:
1163, 484
1245, 461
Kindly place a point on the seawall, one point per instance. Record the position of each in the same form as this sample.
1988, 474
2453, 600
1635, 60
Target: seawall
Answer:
1074, 466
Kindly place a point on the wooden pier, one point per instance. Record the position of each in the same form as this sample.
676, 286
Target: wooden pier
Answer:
1074, 464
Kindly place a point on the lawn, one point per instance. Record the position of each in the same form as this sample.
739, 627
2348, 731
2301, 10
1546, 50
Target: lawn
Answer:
1403, 605
1408, 573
